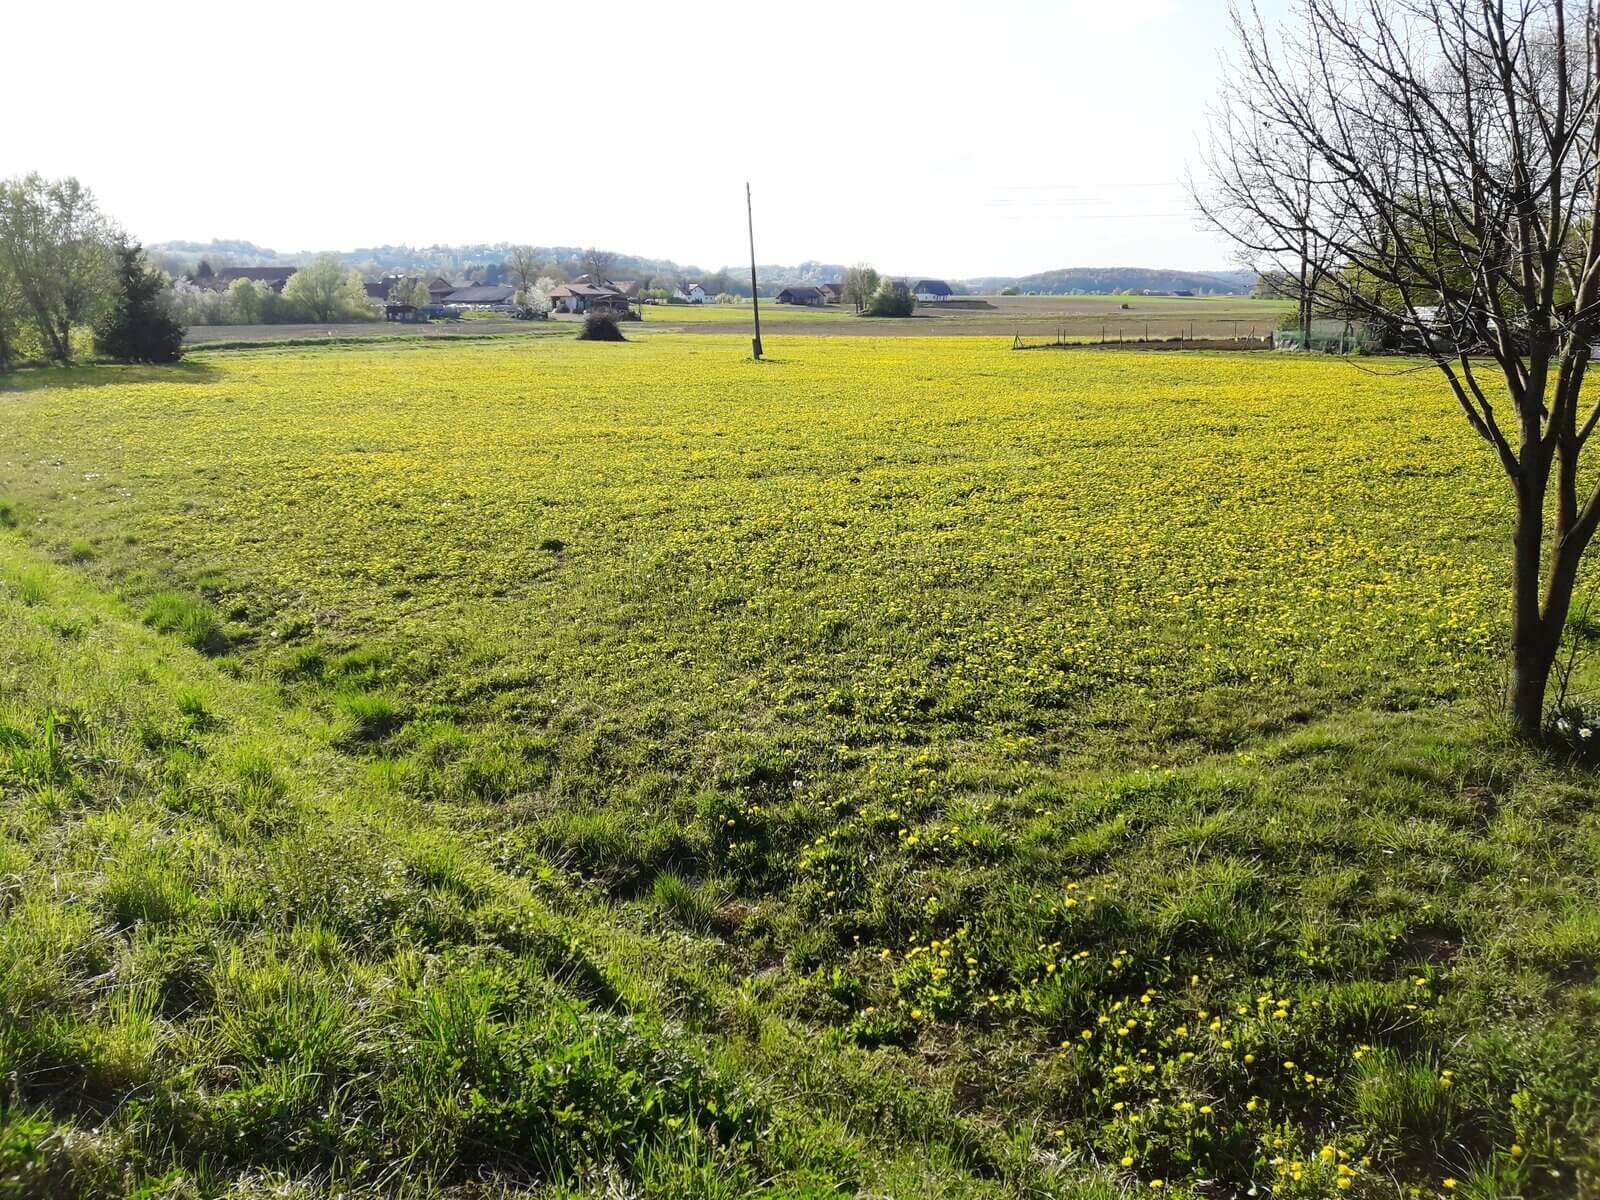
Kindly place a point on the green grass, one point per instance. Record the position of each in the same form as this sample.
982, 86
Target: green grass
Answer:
637, 766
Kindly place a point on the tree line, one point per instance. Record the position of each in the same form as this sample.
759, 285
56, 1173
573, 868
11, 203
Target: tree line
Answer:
66, 271
323, 291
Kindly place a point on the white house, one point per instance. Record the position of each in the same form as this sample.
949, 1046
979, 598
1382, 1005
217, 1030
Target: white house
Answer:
694, 293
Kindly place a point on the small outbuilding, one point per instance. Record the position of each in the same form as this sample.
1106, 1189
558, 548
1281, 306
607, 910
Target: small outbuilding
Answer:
811, 297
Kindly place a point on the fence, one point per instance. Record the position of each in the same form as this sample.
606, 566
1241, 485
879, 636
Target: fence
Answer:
1140, 336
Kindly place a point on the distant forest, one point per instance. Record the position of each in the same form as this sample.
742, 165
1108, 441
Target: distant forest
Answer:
1107, 280
487, 263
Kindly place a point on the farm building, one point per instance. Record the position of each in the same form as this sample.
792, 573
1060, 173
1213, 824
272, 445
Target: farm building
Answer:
439, 289
475, 295
581, 297
812, 297
834, 292
628, 289
382, 289
932, 291
273, 277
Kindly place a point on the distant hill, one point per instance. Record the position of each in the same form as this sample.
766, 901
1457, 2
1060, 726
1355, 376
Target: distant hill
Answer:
482, 262
1117, 279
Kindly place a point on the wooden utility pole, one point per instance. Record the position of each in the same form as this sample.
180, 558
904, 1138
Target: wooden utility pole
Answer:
755, 298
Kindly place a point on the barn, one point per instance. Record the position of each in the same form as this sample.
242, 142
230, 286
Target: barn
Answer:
802, 294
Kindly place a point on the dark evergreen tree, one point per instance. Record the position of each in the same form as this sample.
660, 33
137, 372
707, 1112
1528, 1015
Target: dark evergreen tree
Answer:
137, 326
203, 274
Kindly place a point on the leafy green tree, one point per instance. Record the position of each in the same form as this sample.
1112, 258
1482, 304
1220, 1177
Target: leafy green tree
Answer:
137, 326
326, 290
892, 300
246, 302
419, 294
11, 310
56, 248
859, 284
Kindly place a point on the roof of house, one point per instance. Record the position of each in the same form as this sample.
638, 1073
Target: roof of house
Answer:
836, 288
273, 277
379, 289
933, 287
628, 287
441, 284
801, 291
256, 272
581, 289
481, 294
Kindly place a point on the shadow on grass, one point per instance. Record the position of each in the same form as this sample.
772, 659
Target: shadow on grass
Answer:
95, 375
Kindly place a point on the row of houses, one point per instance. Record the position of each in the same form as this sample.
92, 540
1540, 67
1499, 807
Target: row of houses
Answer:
440, 290
580, 296
927, 291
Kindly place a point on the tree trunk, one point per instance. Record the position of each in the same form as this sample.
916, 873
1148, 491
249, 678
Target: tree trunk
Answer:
1305, 308
1533, 649
1525, 691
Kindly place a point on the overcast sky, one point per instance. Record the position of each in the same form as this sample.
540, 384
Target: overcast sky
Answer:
939, 138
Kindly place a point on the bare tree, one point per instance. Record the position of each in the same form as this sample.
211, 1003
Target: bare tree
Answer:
523, 265
1264, 191
1450, 151
597, 264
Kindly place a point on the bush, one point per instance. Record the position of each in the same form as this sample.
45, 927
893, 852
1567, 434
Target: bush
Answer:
601, 327
891, 300
138, 327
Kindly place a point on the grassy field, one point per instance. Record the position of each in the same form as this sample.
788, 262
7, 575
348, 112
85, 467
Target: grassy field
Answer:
1078, 318
903, 767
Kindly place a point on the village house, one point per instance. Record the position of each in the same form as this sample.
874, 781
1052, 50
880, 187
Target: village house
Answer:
586, 297
379, 290
932, 291
833, 291
811, 297
694, 293
439, 289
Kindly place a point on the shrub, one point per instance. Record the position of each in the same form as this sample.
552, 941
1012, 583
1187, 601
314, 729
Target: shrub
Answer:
891, 300
600, 327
